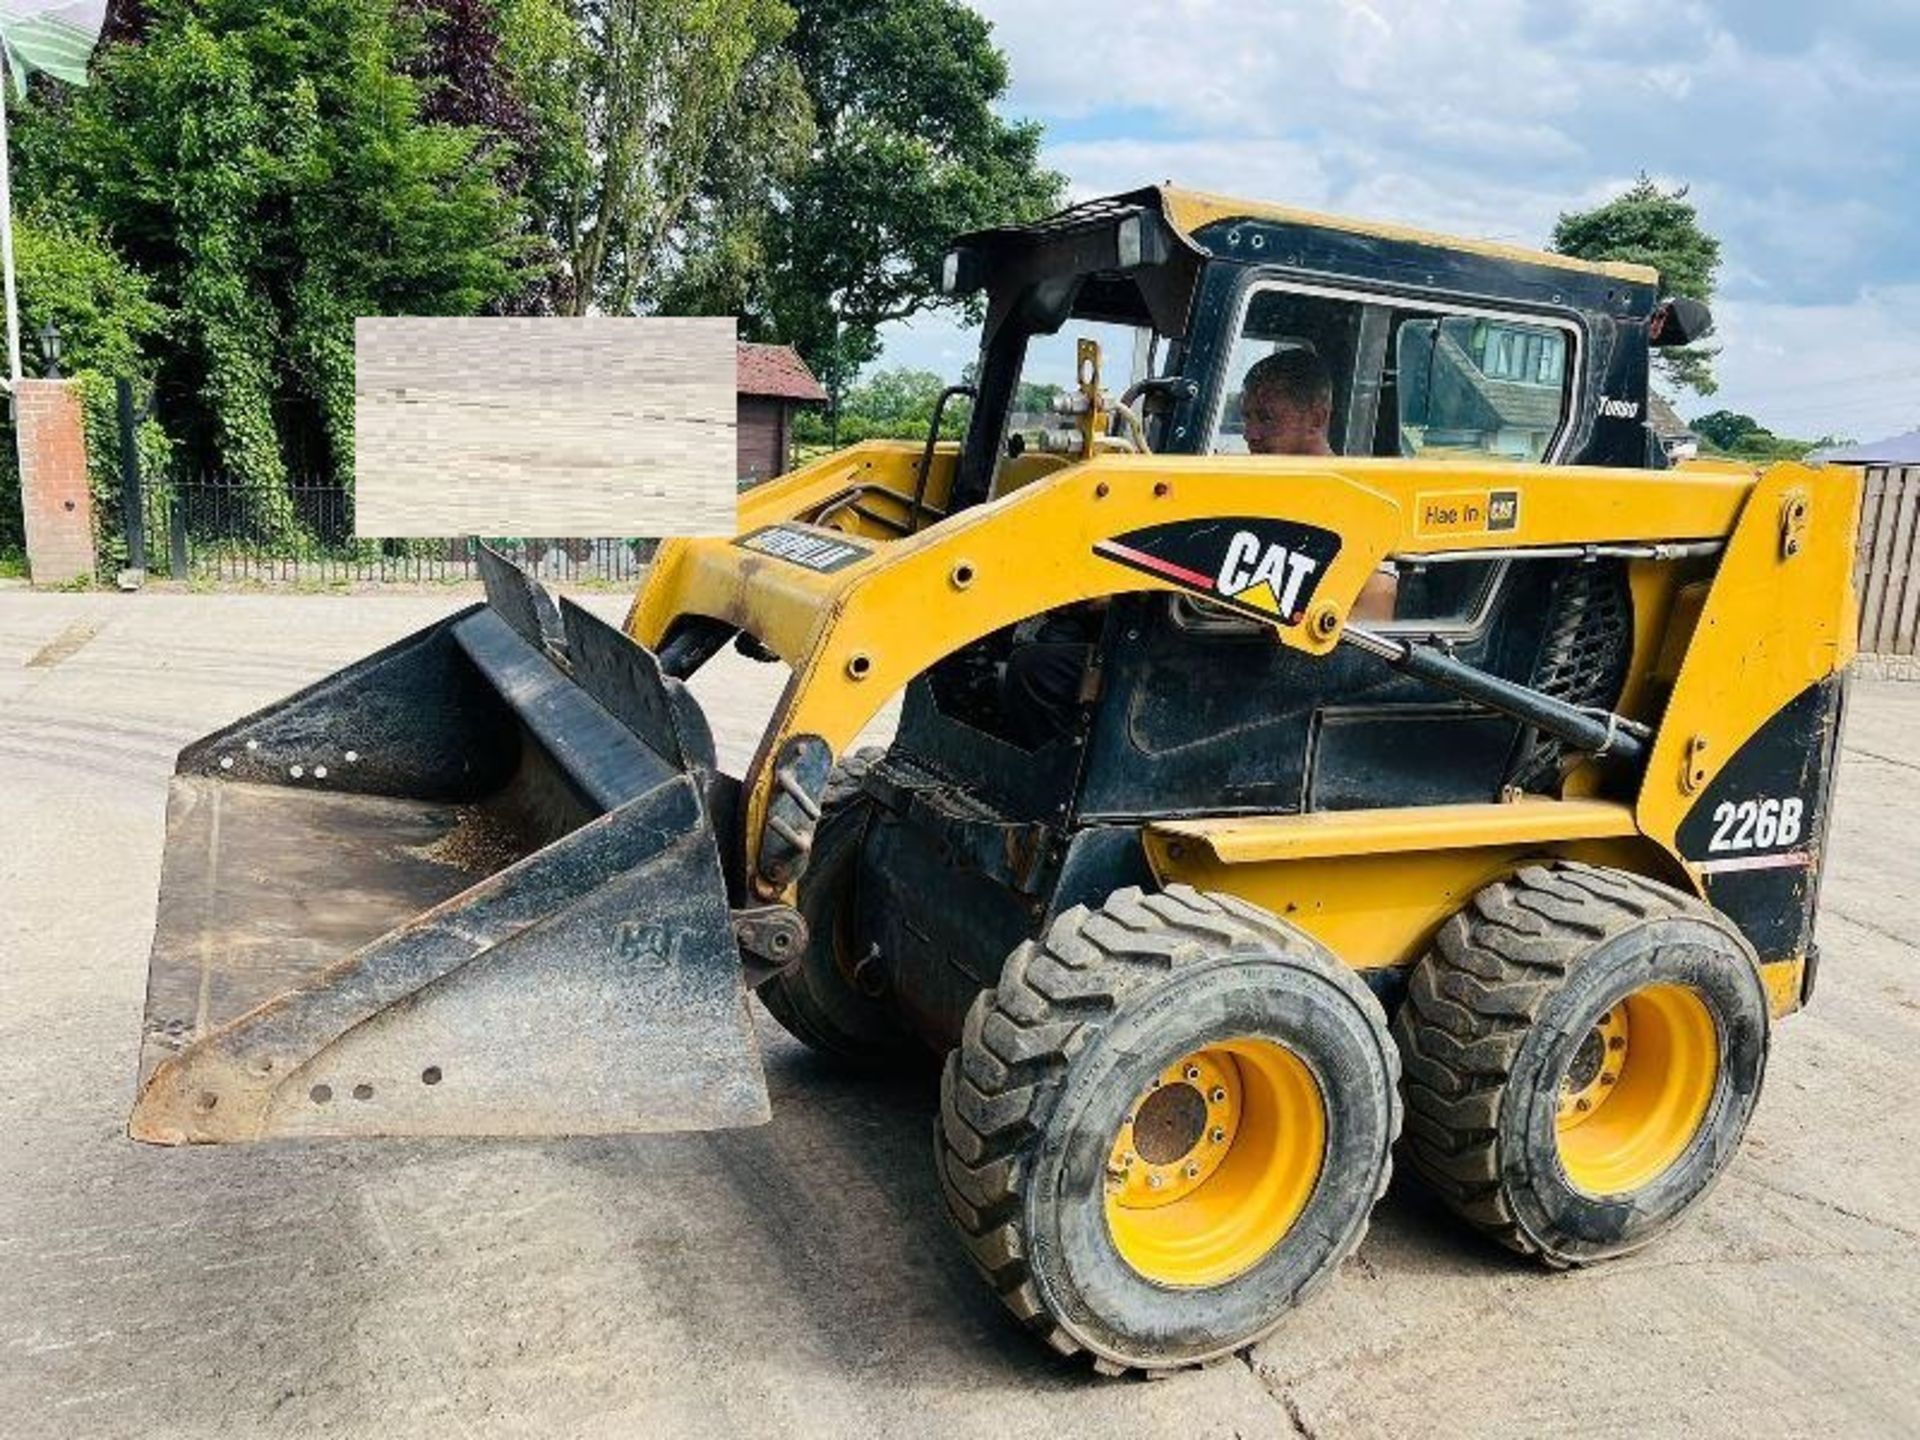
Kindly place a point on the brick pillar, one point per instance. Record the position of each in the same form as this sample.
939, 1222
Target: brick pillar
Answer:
54, 499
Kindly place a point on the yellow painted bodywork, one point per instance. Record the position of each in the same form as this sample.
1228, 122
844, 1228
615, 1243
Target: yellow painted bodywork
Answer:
1372, 884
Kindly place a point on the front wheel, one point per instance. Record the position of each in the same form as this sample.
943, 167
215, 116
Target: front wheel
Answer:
1583, 1050
821, 999
1165, 1126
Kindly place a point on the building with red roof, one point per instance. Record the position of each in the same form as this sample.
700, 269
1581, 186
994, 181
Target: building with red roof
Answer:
772, 381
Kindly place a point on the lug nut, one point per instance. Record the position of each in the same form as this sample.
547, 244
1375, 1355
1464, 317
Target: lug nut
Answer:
1218, 1135
1193, 1170
1193, 1072
1583, 1104
1154, 1182
1218, 1095
1618, 1042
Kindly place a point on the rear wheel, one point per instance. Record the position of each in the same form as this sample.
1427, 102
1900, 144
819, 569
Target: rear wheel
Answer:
825, 999
1165, 1126
1583, 1049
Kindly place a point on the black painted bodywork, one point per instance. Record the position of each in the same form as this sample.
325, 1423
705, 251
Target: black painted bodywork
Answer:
1792, 756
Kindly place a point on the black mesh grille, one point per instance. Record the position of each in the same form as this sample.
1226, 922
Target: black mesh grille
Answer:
1583, 658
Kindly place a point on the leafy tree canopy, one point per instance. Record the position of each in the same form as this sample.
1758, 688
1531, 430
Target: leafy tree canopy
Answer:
269, 167
907, 152
1728, 432
1650, 226
888, 404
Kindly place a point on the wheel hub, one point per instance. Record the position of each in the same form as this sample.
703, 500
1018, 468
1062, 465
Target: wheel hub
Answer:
1178, 1131
1215, 1159
1595, 1068
1636, 1090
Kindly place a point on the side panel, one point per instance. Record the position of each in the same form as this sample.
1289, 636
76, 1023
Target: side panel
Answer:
1757, 834
1381, 908
1753, 717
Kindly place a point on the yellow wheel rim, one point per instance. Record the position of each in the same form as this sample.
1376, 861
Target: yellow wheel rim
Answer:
1214, 1161
1636, 1089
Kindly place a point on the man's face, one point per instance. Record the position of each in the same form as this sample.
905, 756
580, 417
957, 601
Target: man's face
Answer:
1274, 425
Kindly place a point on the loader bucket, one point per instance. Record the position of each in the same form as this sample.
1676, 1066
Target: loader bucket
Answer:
469, 885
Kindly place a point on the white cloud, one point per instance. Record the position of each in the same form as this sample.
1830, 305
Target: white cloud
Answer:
1488, 118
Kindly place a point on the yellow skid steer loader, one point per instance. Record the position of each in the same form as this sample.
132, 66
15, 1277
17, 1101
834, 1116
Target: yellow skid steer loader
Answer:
1474, 775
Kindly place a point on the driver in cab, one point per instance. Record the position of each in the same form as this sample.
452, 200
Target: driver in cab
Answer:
1286, 406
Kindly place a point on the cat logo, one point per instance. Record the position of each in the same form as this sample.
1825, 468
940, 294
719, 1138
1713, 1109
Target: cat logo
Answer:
1264, 566
1267, 577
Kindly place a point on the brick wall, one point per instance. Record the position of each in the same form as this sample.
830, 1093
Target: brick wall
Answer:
54, 500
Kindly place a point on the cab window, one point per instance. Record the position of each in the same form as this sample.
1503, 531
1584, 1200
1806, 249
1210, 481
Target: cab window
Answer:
1280, 320
1475, 387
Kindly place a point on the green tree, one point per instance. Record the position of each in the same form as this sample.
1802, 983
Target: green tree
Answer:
679, 104
106, 318
1651, 226
268, 168
1744, 438
891, 404
1725, 429
907, 153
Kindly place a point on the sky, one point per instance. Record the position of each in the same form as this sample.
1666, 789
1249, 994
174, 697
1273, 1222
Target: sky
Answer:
1795, 126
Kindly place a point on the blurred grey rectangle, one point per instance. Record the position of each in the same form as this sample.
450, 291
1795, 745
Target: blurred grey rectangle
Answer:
577, 426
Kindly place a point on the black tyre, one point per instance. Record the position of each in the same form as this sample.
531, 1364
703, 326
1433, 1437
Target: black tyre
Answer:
820, 999
1583, 1049
1165, 1126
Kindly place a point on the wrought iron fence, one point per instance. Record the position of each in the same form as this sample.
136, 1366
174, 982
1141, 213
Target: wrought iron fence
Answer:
217, 528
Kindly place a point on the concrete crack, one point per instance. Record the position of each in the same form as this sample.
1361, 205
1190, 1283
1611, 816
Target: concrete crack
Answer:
1277, 1391
1883, 759
1905, 942
1890, 1226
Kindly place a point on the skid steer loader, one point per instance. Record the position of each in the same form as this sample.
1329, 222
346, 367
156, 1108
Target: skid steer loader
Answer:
1525, 855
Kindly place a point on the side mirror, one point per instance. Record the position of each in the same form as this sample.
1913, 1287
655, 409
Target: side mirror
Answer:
1679, 320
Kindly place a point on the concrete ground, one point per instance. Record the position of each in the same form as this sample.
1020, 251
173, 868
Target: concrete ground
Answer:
798, 1278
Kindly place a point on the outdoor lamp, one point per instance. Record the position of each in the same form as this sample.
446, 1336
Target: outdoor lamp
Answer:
50, 348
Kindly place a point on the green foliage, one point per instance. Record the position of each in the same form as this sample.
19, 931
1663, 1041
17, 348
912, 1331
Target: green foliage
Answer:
1741, 437
106, 318
1647, 225
267, 167
907, 153
669, 118
891, 404
100, 417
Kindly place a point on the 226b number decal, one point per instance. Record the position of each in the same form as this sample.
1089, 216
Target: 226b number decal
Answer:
1762, 824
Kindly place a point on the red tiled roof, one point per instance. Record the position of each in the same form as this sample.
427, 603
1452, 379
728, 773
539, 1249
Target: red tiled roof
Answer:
776, 370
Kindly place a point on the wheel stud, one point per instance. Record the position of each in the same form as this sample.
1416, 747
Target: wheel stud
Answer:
1193, 1072
1618, 1042
1218, 1135
1156, 1180
1219, 1095
1583, 1104
1193, 1170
